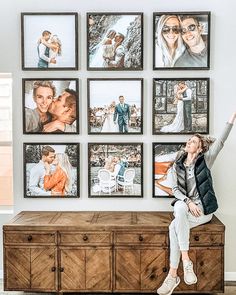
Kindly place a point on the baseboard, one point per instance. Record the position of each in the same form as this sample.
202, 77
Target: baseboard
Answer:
229, 276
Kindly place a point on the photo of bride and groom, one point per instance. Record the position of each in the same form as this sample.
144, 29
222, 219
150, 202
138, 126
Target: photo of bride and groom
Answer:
181, 106
49, 41
51, 170
49, 47
115, 169
114, 41
118, 111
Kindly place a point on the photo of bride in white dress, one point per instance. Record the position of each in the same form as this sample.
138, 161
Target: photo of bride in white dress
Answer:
115, 106
180, 106
178, 124
109, 125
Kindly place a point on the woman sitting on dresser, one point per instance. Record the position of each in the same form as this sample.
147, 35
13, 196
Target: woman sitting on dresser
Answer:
195, 201
60, 180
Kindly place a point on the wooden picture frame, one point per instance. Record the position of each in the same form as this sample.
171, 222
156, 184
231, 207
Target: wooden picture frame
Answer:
186, 35
114, 41
115, 170
49, 41
163, 156
50, 106
106, 114
181, 105
62, 178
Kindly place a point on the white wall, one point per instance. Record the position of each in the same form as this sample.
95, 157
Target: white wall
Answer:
222, 103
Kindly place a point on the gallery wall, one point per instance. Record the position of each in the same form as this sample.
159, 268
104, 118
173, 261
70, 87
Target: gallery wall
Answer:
222, 104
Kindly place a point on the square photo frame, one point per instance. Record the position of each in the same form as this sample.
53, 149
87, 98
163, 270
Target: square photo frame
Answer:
50, 106
164, 156
51, 170
49, 41
115, 106
181, 106
181, 40
115, 170
115, 41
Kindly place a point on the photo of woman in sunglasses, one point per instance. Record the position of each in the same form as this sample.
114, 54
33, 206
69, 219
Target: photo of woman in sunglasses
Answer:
181, 41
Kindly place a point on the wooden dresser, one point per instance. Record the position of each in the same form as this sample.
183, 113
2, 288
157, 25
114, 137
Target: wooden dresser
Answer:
104, 252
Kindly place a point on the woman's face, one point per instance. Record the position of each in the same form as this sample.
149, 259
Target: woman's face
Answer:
55, 162
171, 30
43, 98
193, 145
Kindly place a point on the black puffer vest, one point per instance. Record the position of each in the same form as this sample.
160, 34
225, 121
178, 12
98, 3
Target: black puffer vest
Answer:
203, 182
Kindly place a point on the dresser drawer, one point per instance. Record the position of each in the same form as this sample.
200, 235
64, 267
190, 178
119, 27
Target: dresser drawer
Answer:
30, 237
85, 238
210, 239
141, 238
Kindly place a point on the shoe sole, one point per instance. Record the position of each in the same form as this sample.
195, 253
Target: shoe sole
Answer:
192, 283
171, 291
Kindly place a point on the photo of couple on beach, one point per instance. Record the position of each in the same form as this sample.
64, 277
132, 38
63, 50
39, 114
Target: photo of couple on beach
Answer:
181, 41
115, 170
49, 41
51, 170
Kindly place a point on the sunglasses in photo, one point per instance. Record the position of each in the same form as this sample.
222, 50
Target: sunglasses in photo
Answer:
174, 29
190, 28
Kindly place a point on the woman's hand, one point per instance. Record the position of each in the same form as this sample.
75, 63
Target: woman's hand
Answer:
232, 118
194, 209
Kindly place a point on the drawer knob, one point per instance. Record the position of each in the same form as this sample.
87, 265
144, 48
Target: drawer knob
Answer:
164, 269
53, 269
61, 269
140, 238
30, 238
85, 238
196, 238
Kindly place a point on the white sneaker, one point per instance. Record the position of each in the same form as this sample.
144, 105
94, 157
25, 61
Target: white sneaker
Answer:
168, 285
189, 276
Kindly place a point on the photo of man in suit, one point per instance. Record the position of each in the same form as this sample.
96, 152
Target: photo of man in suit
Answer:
122, 111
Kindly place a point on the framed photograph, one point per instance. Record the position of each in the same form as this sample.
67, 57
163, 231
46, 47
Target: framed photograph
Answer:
181, 106
115, 106
50, 106
181, 40
51, 170
115, 41
115, 169
164, 156
49, 41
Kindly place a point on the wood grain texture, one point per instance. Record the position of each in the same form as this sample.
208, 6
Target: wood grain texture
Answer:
104, 252
17, 268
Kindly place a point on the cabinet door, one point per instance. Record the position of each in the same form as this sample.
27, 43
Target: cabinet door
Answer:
31, 268
139, 269
210, 274
153, 268
127, 269
72, 269
17, 268
85, 268
98, 269
43, 269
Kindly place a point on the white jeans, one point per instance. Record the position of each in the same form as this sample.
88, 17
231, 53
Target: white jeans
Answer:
179, 230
